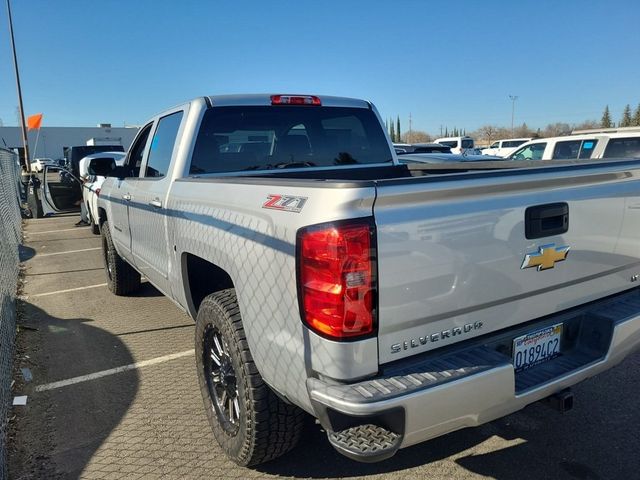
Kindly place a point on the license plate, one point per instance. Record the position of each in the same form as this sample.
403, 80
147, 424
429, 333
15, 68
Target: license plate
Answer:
536, 347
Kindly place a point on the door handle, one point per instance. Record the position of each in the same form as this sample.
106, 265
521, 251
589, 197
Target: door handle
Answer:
546, 220
156, 203
126, 197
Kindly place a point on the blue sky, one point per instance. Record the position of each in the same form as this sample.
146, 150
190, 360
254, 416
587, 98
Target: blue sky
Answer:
445, 63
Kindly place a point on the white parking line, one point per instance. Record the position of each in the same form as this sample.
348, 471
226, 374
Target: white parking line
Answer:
112, 371
67, 290
68, 251
55, 231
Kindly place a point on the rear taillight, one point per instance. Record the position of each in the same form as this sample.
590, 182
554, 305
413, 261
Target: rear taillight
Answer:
98, 192
337, 278
295, 100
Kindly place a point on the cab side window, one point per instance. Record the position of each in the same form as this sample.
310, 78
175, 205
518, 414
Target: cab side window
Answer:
161, 149
134, 160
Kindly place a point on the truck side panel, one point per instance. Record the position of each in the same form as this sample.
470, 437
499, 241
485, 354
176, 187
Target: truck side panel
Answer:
226, 224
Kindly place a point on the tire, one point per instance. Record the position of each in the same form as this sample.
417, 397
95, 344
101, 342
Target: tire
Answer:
262, 426
122, 278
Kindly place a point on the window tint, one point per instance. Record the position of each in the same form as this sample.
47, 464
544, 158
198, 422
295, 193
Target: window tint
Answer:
622, 148
449, 143
235, 139
587, 148
530, 152
566, 150
467, 143
495, 145
137, 151
162, 145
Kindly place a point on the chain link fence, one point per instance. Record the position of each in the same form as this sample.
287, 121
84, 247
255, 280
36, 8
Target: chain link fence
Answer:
10, 237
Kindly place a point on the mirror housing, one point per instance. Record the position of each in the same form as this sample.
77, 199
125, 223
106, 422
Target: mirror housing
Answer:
102, 166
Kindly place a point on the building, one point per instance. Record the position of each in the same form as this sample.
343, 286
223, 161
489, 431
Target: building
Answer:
52, 140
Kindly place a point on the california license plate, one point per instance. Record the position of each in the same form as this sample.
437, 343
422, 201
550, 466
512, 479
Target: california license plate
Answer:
536, 347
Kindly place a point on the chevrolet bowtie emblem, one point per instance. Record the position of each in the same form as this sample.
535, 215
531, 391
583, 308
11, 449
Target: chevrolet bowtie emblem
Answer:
546, 257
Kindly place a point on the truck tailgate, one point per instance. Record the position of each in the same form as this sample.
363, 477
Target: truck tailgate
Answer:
451, 250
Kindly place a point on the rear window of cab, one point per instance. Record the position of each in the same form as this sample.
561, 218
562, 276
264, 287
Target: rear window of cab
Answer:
248, 138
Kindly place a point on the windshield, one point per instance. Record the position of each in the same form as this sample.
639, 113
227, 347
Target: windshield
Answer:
233, 139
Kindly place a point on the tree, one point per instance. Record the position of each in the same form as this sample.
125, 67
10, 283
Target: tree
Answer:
586, 125
636, 117
522, 131
398, 131
446, 131
556, 129
416, 136
626, 117
392, 133
605, 122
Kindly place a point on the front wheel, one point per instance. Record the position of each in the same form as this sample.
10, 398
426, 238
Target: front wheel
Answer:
122, 278
251, 424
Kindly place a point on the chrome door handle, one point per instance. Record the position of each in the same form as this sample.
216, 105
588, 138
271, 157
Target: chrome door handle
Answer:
126, 197
156, 203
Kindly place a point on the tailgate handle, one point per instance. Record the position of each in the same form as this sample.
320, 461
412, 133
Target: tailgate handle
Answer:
546, 220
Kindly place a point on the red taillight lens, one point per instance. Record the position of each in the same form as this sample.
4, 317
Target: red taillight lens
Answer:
295, 100
98, 192
337, 279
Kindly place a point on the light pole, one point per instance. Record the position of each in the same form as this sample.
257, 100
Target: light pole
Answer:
513, 109
25, 144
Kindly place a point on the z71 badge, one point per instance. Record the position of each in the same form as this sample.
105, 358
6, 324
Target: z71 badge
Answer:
288, 203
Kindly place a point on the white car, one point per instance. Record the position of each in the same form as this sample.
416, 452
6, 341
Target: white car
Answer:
91, 187
457, 144
38, 164
503, 148
580, 147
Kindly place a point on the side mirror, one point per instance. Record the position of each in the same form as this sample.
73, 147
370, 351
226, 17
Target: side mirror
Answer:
102, 166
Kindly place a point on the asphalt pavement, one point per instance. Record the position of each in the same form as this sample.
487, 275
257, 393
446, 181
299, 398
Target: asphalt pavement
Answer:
115, 395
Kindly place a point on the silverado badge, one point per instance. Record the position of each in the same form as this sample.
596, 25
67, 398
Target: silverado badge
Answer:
546, 257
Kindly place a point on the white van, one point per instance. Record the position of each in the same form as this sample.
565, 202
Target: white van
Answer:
505, 147
457, 144
578, 147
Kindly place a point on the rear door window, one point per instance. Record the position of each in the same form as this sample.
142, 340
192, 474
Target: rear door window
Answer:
587, 147
567, 150
233, 139
467, 143
161, 149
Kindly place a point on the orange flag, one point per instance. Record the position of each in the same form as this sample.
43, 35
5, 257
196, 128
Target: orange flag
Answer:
34, 121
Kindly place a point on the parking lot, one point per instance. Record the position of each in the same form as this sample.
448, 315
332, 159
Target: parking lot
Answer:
114, 395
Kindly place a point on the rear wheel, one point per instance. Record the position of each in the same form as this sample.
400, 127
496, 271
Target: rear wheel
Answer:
251, 424
122, 278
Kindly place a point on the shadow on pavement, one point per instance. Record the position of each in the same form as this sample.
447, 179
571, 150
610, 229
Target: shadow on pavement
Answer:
60, 429
598, 439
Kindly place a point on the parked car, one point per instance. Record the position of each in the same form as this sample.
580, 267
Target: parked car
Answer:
445, 158
503, 148
91, 187
457, 144
392, 305
580, 147
38, 164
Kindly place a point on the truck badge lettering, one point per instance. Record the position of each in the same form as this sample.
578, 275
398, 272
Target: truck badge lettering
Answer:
434, 337
287, 203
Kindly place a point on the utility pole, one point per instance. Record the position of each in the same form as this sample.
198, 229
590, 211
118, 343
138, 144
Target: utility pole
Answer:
410, 135
25, 143
513, 109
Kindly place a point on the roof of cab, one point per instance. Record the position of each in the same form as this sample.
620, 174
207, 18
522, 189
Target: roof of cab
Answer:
264, 99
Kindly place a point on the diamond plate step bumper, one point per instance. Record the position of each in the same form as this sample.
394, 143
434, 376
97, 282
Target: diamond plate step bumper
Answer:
427, 398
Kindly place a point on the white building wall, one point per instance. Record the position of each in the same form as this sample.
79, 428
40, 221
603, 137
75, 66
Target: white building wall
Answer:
53, 139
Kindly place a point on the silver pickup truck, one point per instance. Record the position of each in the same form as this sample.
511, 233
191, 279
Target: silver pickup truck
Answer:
394, 303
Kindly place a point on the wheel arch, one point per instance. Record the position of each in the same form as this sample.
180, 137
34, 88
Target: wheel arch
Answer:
202, 278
